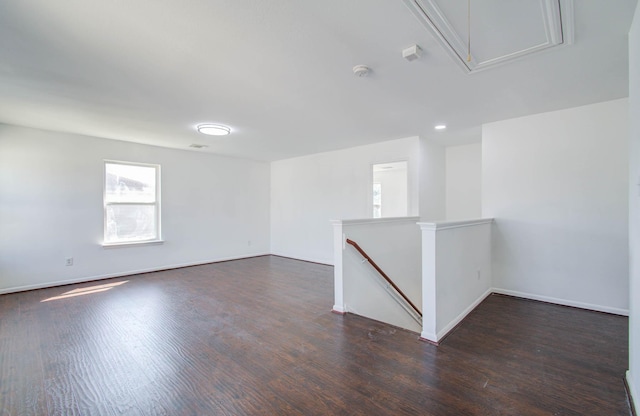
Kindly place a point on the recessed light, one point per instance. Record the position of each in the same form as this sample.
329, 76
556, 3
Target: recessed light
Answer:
440, 127
214, 129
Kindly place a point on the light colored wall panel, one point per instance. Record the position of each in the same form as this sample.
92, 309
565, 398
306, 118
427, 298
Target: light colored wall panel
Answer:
394, 245
557, 185
51, 208
464, 181
456, 272
307, 192
432, 181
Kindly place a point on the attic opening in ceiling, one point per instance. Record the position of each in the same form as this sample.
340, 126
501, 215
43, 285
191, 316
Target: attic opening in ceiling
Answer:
498, 31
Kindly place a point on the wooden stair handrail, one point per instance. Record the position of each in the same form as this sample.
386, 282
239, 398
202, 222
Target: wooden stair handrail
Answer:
383, 274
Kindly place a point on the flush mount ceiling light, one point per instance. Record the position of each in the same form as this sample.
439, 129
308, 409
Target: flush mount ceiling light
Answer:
213, 129
440, 127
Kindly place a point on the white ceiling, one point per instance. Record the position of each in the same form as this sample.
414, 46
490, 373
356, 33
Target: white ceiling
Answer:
279, 72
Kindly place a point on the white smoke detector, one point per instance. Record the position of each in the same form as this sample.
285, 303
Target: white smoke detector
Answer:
412, 53
361, 70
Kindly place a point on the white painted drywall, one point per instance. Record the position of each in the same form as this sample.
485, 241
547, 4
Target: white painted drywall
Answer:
633, 375
51, 208
456, 270
557, 185
307, 192
432, 181
338, 275
464, 181
394, 245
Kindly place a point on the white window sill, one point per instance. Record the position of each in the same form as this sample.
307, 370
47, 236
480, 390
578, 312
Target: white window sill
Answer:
133, 244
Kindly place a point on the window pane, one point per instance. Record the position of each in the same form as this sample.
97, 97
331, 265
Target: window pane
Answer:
130, 223
130, 183
377, 200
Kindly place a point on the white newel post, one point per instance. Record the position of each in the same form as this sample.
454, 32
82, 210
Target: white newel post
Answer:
429, 311
338, 247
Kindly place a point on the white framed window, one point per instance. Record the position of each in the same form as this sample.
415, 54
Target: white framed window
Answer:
131, 203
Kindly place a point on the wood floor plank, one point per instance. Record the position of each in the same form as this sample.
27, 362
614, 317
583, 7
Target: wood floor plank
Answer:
256, 337
20, 364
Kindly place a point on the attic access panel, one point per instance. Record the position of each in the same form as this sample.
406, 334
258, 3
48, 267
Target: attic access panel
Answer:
501, 30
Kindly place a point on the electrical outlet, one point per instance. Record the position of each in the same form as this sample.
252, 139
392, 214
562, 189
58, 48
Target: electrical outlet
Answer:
69, 261
249, 242
478, 273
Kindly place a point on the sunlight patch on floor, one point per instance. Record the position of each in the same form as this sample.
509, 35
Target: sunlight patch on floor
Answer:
86, 291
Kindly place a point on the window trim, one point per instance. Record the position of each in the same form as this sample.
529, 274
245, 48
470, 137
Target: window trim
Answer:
157, 204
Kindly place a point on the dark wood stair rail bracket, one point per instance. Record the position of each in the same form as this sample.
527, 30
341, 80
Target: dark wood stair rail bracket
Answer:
383, 274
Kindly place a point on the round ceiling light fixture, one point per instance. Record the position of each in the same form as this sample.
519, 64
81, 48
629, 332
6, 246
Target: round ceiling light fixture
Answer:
213, 129
440, 127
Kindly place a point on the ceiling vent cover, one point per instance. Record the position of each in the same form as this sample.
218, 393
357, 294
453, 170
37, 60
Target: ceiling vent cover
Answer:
499, 31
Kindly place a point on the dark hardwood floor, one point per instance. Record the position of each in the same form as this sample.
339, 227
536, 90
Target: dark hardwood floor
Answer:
256, 337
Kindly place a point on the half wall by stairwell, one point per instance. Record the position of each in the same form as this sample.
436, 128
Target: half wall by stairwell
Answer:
456, 273
443, 267
392, 288
394, 243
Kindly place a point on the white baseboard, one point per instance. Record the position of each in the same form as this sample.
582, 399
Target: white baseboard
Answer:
126, 273
633, 398
564, 302
303, 258
447, 328
429, 336
339, 309
437, 337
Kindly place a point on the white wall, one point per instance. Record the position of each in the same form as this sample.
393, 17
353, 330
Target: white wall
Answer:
557, 185
307, 192
456, 273
432, 181
394, 245
633, 376
463, 181
51, 207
